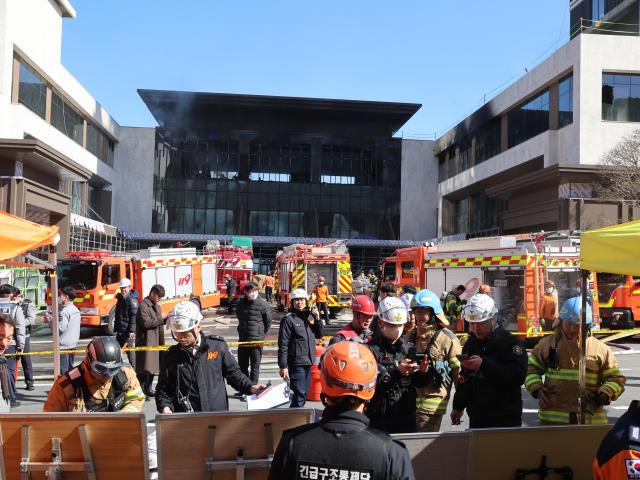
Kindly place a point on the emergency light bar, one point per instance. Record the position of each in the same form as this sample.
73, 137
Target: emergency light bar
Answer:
88, 254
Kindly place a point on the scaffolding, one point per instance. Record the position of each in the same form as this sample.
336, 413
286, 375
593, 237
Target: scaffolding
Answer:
88, 235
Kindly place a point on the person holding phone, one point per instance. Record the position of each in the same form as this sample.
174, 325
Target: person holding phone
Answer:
393, 407
440, 346
299, 330
494, 367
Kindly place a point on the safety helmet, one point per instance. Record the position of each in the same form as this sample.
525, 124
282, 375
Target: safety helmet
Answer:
571, 311
185, 317
299, 293
363, 304
348, 368
427, 299
125, 282
392, 310
406, 299
480, 308
104, 356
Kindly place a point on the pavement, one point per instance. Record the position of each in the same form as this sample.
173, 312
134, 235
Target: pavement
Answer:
217, 321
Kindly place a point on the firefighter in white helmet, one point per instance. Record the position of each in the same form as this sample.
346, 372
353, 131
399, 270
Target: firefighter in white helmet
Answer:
393, 407
494, 366
193, 371
297, 336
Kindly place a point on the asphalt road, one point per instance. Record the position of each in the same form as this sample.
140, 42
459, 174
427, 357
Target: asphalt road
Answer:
217, 321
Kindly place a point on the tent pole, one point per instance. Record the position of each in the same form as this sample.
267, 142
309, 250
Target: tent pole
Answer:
53, 259
584, 289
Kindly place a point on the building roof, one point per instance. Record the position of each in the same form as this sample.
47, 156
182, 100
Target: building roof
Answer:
66, 8
259, 240
223, 111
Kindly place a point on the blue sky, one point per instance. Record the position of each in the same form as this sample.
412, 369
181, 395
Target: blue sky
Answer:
443, 54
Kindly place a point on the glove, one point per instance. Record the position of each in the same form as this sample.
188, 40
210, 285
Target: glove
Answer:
594, 401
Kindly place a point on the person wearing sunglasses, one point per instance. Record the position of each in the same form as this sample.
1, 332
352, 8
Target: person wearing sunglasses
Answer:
99, 384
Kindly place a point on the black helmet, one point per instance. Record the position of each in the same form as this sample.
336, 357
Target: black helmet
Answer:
104, 356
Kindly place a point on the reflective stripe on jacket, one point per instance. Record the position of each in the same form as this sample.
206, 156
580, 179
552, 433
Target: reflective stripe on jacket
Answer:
561, 376
433, 399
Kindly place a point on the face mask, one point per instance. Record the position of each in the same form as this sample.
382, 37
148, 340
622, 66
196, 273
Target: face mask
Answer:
549, 290
253, 295
321, 283
60, 300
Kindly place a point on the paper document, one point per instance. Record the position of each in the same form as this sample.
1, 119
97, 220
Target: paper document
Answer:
270, 397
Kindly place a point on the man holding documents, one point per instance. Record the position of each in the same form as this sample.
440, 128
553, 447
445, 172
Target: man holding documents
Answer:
192, 373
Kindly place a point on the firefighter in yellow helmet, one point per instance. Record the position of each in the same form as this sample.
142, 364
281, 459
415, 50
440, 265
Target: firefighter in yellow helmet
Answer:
556, 358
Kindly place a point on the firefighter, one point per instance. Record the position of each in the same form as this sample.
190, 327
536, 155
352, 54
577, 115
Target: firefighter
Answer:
440, 347
549, 306
556, 357
393, 407
125, 320
321, 291
494, 366
341, 444
409, 330
99, 384
363, 313
453, 304
297, 336
194, 370
618, 457
232, 286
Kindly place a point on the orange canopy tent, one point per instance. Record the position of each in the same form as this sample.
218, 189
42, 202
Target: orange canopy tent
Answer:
19, 236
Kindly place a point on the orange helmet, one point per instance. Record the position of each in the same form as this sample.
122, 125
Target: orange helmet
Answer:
363, 304
348, 368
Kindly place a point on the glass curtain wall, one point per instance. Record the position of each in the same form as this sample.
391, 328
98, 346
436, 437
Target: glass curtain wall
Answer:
209, 185
529, 119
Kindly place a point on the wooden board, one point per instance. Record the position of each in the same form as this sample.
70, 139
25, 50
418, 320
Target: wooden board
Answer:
495, 454
183, 440
437, 456
118, 443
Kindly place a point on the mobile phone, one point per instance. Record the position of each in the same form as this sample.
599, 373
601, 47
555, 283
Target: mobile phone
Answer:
462, 356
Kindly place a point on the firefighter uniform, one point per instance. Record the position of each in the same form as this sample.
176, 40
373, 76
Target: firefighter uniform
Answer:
556, 358
492, 394
618, 457
441, 346
393, 407
340, 446
79, 391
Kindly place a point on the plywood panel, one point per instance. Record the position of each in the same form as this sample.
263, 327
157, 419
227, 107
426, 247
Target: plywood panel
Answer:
118, 443
183, 440
495, 454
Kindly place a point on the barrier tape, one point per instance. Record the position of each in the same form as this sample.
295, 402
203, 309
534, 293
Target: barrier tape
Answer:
263, 343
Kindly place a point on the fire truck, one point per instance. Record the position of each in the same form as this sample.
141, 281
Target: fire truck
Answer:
406, 267
515, 271
96, 277
619, 300
300, 266
237, 262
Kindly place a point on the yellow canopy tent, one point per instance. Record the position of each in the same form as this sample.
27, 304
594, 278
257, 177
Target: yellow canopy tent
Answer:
19, 236
614, 249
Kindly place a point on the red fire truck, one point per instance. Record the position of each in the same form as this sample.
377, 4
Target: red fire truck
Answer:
237, 262
96, 277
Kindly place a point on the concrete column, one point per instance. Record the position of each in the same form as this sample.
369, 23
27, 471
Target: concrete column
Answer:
504, 133
553, 106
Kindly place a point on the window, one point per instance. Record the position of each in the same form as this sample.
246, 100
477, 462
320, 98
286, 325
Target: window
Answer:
110, 274
565, 101
597, 9
462, 215
621, 97
453, 164
99, 144
529, 119
269, 177
407, 269
32, 90
76, 197
66, 119
442, 167
465, 158
488, 140
340, 179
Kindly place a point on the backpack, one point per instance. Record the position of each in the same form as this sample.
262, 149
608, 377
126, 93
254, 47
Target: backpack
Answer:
30, 320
